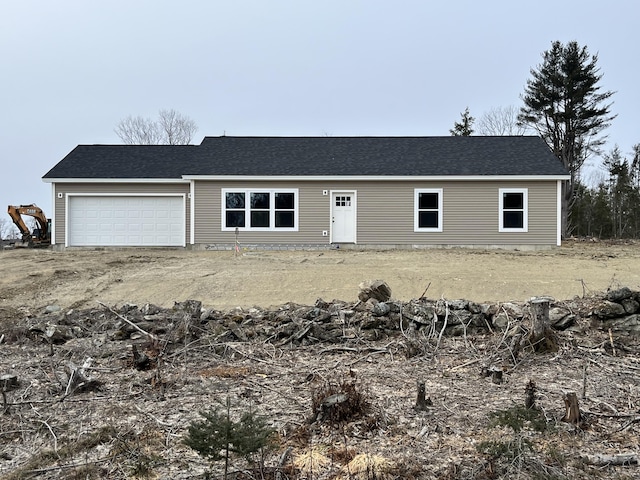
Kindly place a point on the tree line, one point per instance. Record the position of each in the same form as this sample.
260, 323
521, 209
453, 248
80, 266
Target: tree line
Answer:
610, 209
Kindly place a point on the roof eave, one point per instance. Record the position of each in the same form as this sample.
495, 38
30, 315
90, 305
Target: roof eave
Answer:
114, 180
379, 177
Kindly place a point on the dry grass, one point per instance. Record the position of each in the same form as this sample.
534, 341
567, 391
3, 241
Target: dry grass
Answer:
311, 463
367, 466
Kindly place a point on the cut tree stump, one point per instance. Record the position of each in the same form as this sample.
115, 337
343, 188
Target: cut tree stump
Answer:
140, 360
530, 395
542, 337
572, 414
78, 380
422, 401
8, 382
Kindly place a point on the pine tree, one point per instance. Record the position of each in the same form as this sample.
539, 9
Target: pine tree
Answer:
218, 435
464, 128
564, 104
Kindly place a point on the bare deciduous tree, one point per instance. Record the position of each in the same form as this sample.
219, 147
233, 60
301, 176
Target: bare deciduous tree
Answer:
171, 128
7, 230
176, 128
501, 121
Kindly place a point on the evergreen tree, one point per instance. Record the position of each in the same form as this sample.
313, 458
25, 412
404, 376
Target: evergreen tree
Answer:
564, 104
464, 128
582, 212
218, 435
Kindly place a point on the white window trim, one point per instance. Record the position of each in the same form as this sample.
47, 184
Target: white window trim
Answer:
525, 205
416, 210
272, 209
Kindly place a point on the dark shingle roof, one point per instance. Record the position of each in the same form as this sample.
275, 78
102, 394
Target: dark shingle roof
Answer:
315, 156
123, 161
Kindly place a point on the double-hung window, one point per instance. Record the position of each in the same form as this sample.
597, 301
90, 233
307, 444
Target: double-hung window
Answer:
513, 210
428, 210
260, 209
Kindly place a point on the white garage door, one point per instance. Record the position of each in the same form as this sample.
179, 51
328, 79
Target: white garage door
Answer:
126, 221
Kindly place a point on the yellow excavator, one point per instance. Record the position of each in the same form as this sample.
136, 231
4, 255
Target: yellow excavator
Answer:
41, 236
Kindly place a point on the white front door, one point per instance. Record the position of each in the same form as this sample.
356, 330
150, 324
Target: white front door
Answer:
343, 217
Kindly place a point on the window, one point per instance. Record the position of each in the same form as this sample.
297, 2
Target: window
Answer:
259, 209
513, 210
428, 210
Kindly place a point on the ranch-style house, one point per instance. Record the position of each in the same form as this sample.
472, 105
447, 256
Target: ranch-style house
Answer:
310, 192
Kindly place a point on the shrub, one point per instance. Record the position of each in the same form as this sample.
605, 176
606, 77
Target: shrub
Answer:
218, 435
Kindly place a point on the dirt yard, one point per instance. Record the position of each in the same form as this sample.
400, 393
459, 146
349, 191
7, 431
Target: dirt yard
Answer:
78, 403
36, 278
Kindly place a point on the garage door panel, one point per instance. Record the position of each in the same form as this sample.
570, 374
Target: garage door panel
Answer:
126, 221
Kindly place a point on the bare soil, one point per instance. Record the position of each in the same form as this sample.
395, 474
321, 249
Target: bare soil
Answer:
133, 425
36, 278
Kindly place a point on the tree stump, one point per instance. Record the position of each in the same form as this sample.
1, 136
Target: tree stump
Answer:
78, 380
542, 337
530, 395
572, 414
140, 360
422, 401
8, 382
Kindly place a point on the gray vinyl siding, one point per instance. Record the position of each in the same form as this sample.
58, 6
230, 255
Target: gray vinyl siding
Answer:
59, 213
385, 213
313, 214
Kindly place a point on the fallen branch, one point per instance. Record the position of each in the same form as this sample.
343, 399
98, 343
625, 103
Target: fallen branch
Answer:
444, 325
121, 317
55, 439
603, 460
465, 364
69, 465
373, 352
158, 421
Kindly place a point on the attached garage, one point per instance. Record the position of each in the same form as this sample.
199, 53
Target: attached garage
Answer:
126, 220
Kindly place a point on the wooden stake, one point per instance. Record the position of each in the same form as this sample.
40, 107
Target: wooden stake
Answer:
613, 346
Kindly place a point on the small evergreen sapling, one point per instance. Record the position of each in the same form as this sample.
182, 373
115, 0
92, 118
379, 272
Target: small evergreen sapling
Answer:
218, 436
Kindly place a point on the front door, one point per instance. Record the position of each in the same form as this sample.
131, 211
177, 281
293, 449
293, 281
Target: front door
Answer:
343, 217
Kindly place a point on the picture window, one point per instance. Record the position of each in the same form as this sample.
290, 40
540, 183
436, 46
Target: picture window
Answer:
259, 209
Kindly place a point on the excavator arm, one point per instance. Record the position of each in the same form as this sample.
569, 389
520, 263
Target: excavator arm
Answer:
41, 235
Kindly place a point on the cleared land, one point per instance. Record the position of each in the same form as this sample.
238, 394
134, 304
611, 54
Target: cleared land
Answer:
131, 422
36, 278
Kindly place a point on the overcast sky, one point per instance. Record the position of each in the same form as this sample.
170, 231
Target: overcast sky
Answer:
71, 70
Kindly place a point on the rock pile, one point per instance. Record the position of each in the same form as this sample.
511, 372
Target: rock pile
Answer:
619, 311
374, 316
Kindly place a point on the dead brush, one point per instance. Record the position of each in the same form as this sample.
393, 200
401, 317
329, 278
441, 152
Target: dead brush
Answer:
311, 463
340, 401
367, 466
